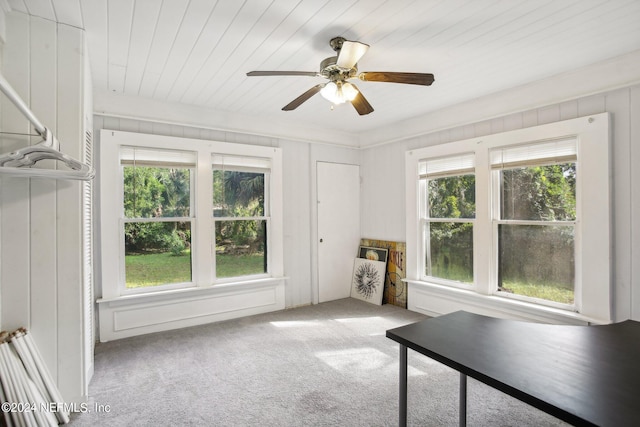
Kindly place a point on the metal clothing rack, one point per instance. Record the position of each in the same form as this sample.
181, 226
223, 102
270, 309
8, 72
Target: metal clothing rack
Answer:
17, 162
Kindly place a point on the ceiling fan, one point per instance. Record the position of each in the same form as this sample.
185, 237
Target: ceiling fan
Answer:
340, 68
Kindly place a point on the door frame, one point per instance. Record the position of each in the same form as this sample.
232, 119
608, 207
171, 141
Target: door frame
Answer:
315, 270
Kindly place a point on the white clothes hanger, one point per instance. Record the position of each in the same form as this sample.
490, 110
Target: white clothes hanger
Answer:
18, 162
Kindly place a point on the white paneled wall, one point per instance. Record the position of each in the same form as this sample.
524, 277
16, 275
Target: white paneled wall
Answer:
41, 271
383, 179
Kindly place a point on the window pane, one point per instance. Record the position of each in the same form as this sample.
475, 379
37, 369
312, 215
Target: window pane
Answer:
539, 193
241, 248
157, 253
151, 192
449, 251
537, 261
452, 197
238, 194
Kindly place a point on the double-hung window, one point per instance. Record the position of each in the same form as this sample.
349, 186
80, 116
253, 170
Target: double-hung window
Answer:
157, 222
180, 213
534, 196
241, 215
513, 222
447, 191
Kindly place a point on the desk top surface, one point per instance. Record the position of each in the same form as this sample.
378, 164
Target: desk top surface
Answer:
585, 375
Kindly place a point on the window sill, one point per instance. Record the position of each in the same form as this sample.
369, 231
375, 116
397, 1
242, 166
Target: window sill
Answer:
191, 292
435, 299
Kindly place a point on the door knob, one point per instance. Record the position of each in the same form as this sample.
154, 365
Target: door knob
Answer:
321, 240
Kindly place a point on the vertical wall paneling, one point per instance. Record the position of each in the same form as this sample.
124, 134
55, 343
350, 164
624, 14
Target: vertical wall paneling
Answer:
43, 236
2, 41
297, 214
618, 103
15, 206
69, 213
41, 223
634, 194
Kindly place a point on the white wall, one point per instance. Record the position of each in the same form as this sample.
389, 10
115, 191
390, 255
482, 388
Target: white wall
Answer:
299, 166
383, 178
40, 225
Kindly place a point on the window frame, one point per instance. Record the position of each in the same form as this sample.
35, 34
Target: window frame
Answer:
203, 252
593, 225
426, 219
122, 285
265, 217
497, 220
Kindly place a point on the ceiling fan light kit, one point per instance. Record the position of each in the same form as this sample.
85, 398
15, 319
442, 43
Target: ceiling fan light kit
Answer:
339, 92
340, 68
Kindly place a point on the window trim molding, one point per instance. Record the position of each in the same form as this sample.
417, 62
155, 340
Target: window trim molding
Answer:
110, 188
206, 301
593, 258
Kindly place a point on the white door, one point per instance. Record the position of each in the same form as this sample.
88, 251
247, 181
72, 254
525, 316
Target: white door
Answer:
338, 228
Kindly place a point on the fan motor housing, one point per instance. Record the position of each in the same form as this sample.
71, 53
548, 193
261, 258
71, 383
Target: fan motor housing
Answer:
331, 71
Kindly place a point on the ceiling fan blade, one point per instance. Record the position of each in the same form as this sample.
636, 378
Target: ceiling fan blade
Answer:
350, 54
302, 98
361, 104
282, 73
392, 77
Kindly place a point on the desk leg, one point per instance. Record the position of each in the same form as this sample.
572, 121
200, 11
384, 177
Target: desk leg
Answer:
463, 400
403, 386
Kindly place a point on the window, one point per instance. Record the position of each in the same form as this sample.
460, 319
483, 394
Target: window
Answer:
534, 222
241, 215
447, 187
513, 222
157, 221
186, 215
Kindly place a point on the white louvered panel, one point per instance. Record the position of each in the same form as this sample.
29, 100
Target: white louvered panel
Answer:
171, 16
192, 26
145, 20
87, 255
214, 46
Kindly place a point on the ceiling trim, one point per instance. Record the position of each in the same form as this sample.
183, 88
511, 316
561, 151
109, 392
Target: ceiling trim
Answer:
615, 73
130, 107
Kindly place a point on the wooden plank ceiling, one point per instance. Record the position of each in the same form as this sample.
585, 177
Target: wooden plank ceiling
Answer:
197, 52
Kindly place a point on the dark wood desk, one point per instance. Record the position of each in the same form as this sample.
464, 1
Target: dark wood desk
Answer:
584, 375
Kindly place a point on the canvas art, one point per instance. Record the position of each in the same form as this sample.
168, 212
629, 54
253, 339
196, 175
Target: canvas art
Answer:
373, 254
394, 288
367, 283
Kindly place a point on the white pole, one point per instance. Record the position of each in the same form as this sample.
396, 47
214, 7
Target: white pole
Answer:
53, 392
